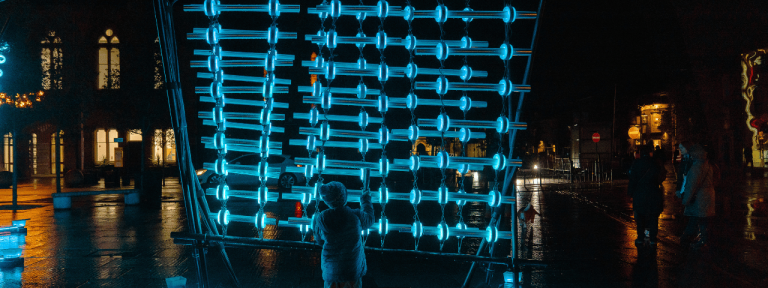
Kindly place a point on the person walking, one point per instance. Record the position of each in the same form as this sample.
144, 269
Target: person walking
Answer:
698, 196
338, 231
645, 178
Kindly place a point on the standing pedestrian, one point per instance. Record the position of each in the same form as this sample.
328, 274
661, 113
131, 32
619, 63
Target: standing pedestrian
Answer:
698, 195
685, 164
338, 230
645, 178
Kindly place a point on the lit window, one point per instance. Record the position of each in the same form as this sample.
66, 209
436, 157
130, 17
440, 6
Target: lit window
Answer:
51, 61
159, 81
104, 147
8, 152
134, 135
109, 61
53, 152
164, 151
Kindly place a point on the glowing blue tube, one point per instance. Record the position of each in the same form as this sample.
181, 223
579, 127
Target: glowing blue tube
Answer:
414, 163
363, 146
363, 119
282, 8
237, 63
325, 131
339, 90
340, 118
236, 54
461, 202
383, 104
243, 78
502, 125
341, 133
255, 103
442, 195
417, 229
320, 162
444, 232
223, 217
263, 195
219, 138
212, 36
246, 126
242, 115
443, 122
309, 170
383, 166
353, 195
504, 88
415, 196
326, 100
222, 192
383, 136
493, 234
441, 14
413, 133
383, 226
443, 51
238, 89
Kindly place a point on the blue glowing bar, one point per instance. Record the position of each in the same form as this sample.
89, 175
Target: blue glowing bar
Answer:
253, 170
200, 34
394, 41
473, 124
238, 63
262, 56
372, 70
247, 194
426, 160
241, 78
401, 103
353, 10
244, 148
503, 88
335, 144
441, 14
234, 101
240, 89
340, 90
341, 118
240, 116
283, 8
340, 133
393, 102
234, 141
433, 133
245, 126
243, 218
343, 101
443, 52
427, 195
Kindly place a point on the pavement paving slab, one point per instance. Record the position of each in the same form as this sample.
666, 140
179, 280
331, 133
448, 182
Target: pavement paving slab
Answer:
584, 232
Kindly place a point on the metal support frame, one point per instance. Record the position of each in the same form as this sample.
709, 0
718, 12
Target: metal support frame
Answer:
194, 197
509, 174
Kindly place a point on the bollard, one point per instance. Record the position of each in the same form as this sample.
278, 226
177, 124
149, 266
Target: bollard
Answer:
132, 198
62, 202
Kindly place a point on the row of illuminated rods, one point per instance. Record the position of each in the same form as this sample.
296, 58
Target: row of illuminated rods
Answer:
417, 229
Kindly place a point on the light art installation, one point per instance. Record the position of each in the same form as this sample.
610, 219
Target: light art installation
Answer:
4, 48
748, 86
325, 128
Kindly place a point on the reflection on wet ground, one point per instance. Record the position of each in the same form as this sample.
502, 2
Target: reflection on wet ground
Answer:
586, 235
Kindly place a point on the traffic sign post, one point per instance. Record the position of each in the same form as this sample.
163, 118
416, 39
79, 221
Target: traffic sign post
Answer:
596, 139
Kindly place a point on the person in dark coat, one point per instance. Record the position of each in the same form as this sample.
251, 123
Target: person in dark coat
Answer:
645, 178
685, 164
698, 195
338, 230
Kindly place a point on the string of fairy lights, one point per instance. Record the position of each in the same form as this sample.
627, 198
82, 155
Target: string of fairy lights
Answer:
329, 127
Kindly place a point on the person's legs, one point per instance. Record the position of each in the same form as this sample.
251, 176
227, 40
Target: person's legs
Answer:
653, 226
641, 222
690, 230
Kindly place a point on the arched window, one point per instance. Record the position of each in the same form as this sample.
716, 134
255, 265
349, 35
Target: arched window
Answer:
51, 61
109, 61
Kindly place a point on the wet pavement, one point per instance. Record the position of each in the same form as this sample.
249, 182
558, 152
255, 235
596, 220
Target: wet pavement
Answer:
585, 233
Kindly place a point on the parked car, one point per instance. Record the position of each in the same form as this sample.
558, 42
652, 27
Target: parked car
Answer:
286, 180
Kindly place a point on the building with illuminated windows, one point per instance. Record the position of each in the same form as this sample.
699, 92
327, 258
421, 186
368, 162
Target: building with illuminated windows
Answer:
102, 81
